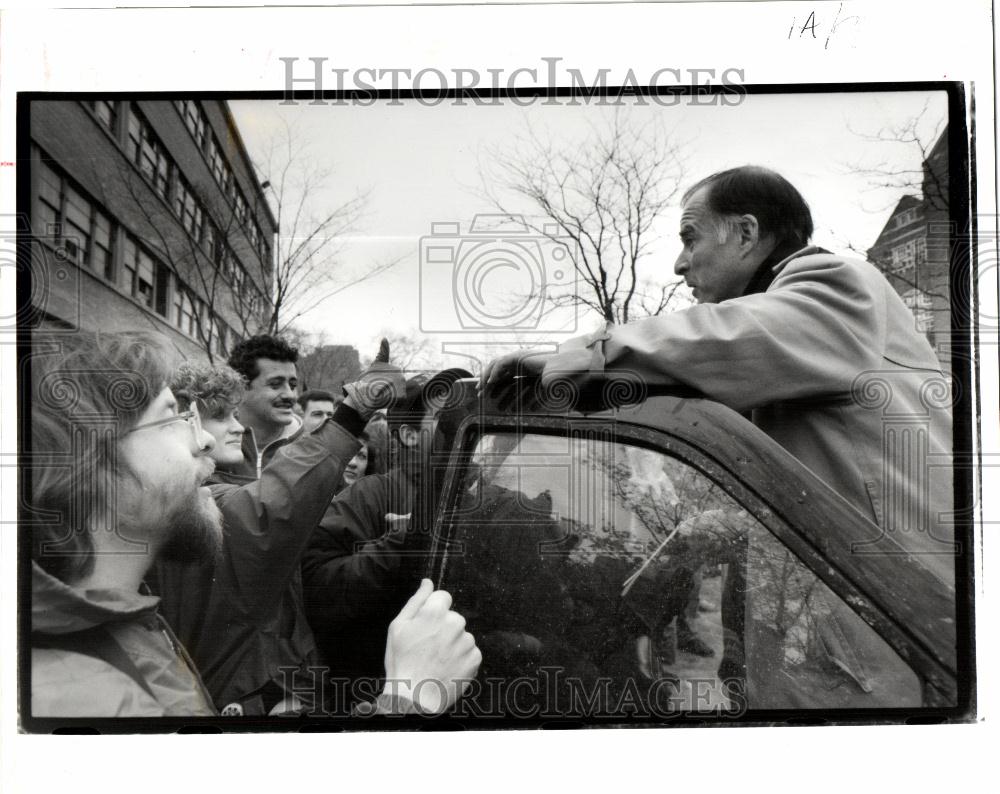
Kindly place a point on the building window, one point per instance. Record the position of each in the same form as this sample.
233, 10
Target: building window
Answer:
188, 209
217, 164
903, 256
218, 338
74, 222
106, 112
146, 151
49, 200
240, 206
143, 277
102, 258
184, 317
921, 304
906, 217
920, 251
194, 118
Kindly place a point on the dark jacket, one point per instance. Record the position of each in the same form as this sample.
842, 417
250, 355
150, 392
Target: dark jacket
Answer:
66, 683
358, 573
242, 617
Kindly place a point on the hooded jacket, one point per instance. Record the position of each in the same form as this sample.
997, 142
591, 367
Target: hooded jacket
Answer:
65, 683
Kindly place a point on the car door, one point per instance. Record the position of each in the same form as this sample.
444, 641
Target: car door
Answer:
611, 571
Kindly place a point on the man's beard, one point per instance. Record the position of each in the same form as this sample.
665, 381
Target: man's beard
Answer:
196, 532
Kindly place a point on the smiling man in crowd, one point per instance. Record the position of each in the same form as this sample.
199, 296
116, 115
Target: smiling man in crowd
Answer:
267, 363
111, 503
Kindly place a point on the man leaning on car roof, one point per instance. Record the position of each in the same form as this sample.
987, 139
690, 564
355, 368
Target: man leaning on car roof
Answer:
818, 348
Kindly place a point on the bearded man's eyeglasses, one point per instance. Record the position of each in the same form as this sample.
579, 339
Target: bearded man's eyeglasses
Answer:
192, 417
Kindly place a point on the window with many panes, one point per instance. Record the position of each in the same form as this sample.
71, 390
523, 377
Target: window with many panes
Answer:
217, 163
102, 251
146, 151
903, 256
74, 222
143, 277
106, 112
194, 119
188, 209
602, 578
184, 317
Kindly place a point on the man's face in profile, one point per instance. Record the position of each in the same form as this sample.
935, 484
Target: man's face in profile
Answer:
712, 262
161, 493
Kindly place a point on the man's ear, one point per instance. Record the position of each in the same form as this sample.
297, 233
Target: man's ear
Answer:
408, 436
749, 231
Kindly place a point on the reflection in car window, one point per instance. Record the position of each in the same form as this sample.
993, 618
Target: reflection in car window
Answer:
607, 580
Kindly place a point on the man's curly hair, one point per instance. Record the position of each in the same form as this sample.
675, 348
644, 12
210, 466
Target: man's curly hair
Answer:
244, 356
216, 389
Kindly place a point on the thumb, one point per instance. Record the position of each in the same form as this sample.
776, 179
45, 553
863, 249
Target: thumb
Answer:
383, 352
417, 600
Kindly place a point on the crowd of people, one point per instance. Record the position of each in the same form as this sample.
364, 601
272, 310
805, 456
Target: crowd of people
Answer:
207, 550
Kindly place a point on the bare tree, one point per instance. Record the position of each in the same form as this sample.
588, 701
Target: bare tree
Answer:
604, 195
903, 149
309, 265
909, 162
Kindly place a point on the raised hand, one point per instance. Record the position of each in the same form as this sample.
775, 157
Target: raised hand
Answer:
378, 386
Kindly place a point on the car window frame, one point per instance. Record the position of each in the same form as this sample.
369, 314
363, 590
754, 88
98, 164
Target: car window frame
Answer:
938, 681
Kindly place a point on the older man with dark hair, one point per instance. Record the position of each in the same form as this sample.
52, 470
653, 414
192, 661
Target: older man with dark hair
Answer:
119, 483
818, 349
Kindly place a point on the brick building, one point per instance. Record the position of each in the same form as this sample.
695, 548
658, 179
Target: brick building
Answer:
912, 251
147, 215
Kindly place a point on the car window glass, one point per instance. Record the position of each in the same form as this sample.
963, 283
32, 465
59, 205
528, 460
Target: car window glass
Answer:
605, 579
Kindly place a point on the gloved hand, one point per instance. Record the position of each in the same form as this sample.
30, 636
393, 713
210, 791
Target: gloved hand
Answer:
378, 386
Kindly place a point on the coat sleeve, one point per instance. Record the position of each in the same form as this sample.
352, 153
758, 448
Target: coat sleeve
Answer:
269, 522
811, 334
352, 567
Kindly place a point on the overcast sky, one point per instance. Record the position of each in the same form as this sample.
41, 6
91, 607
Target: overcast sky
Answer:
420, 164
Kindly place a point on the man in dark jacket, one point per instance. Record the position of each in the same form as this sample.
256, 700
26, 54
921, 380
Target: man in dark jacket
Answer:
370, 548
241, 616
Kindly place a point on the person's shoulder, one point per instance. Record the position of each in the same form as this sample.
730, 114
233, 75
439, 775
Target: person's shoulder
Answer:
65, 683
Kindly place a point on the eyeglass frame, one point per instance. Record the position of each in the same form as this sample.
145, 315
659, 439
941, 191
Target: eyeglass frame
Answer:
192, 416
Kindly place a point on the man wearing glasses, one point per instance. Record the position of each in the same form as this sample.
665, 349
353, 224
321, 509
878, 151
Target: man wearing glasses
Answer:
117, 481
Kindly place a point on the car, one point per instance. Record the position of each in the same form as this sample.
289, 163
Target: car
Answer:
636, 552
